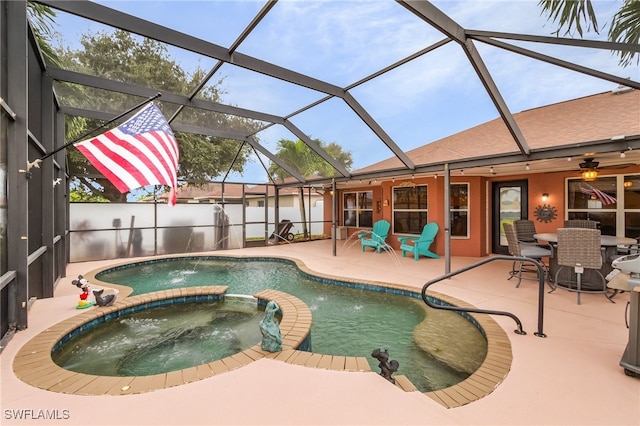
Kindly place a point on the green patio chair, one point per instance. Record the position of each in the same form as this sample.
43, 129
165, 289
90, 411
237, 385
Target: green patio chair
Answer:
376, 238
420, 245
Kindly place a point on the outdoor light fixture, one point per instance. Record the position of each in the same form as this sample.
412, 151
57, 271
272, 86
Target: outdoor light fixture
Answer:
589, 169
527, 167
545, 197
491, 169
622, 154
589, 175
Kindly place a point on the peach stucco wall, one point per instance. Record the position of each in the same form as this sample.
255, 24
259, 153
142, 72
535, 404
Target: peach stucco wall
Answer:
480, 208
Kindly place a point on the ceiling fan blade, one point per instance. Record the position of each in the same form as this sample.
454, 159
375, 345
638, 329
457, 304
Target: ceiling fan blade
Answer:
617, 166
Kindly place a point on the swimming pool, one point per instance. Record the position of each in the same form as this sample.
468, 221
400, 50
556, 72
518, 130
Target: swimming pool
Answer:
349, 318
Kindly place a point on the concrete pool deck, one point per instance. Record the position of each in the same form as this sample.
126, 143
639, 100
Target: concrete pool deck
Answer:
570, 377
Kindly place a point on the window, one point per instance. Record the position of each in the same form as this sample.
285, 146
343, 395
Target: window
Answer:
358, 209
459, 196
612, 201
409, 209
631, 185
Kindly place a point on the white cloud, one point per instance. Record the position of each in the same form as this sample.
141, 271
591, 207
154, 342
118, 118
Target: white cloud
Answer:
344, 41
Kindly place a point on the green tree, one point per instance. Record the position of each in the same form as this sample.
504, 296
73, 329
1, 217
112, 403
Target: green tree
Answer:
120, 56
305, 161
41, 19
574, 14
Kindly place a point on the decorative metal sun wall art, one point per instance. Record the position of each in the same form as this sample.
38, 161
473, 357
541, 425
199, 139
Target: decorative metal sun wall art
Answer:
545, 213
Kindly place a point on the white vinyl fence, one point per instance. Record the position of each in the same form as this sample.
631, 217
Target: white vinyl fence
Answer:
110, 231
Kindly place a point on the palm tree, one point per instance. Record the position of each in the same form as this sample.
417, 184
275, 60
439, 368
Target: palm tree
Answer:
41, 19
573, 14
305, 161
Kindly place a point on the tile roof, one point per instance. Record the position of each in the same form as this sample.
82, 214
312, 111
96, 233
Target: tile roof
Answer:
588, 119
231, 191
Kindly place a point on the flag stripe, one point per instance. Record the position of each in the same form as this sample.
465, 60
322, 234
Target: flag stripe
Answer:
119, 178
603, 197
141, 151
144, 156
126, 160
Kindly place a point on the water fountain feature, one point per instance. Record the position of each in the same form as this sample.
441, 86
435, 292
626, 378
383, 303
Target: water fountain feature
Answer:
270, 329
345, 320
386, 248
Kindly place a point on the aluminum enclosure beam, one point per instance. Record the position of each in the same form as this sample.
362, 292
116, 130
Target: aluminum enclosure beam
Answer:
275, 159
561, 41
384, 137
493, 92
132, 24
136, 25
439, 20
559, 62
174, 98
316, 148
436, 18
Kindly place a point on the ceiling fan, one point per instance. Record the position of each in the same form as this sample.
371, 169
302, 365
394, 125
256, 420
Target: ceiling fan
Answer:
589, 168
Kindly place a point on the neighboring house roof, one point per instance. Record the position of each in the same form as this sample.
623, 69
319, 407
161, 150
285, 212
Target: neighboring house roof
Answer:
210, 190
231, 191
589, 119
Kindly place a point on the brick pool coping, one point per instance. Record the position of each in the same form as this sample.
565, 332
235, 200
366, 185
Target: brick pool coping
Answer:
33, 363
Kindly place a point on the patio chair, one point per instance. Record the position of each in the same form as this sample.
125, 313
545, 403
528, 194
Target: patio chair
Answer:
525, 249
420, 245
580, 249
525, 229
376, 238
581, 223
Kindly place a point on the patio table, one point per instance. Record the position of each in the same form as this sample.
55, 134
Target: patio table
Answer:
609, 243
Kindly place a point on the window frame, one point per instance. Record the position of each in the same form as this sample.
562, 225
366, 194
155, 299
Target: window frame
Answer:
357, 209
425, 210
619, 212
466, 210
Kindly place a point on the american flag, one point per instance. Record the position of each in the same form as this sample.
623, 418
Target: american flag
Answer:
604, 198
141, 151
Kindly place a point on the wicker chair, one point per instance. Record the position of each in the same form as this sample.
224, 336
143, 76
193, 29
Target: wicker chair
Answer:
525, 230
580, 249
524, 249
581, 223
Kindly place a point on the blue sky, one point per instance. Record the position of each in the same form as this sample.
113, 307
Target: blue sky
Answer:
342, 42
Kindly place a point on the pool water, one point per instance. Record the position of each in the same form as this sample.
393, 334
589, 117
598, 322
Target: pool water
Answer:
163, 339
346, 321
